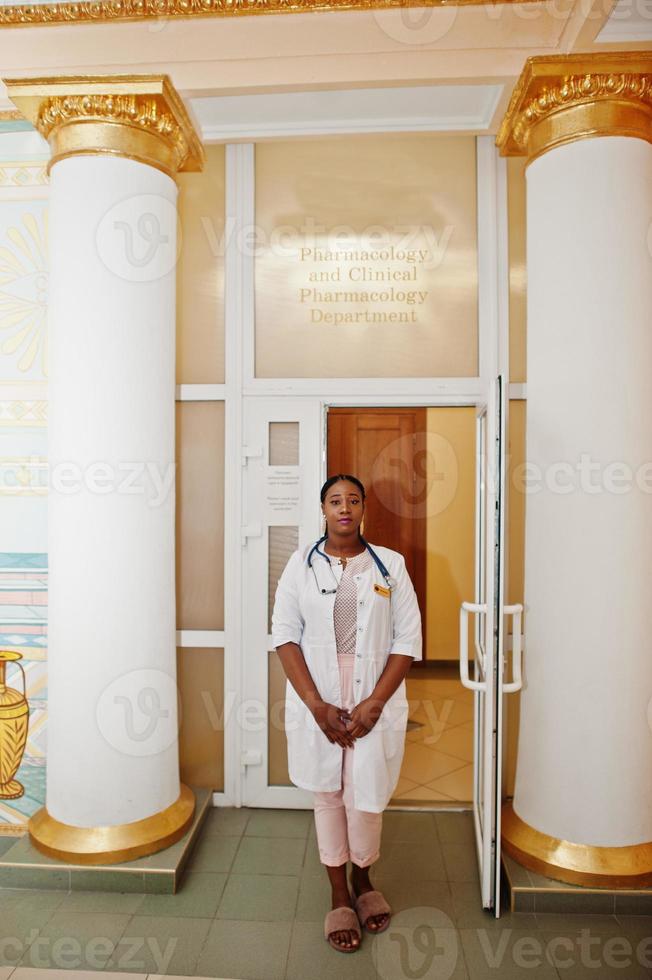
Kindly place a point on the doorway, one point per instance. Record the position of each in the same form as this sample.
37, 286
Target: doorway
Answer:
418, 468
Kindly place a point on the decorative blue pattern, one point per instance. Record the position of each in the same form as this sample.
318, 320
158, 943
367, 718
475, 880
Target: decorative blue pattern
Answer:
10, 560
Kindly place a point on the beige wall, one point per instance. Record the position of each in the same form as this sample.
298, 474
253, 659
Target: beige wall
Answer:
200, 515
414, 193
450, 532
200, 675
200, 273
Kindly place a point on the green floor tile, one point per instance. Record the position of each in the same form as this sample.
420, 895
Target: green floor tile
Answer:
625, 970
311, 862
568, 901
312, 958
469, 913
314, 898
6, 843
263, 898
402, 894
631, 903
103, 880
410, 827
213, 854
75, 941
570, 925
595, 949
269, 856
226, 822
36, 878
19, 927
418, 943
637, 927
198, 897
246, 950
460, 861
160, 945
279, 823
399, 859
111, 901
31, 899
455, 828
505, 954
518, 875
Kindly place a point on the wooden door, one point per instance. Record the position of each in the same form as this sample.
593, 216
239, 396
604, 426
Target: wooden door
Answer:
386, 449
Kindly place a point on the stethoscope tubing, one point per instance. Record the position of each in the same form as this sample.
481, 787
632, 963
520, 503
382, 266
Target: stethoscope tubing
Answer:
379, 563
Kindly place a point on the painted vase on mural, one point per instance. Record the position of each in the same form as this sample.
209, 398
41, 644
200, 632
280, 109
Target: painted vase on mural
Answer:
14, 721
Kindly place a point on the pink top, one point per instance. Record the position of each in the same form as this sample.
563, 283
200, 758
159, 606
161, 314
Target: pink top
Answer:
345, 611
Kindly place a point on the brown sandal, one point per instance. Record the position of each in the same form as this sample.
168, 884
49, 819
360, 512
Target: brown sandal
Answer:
342, 919
369, 904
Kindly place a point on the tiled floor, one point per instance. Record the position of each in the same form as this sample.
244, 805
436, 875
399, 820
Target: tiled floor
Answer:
438, 761
253, 901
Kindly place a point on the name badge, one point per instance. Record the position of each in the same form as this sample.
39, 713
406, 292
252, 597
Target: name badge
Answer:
381, 590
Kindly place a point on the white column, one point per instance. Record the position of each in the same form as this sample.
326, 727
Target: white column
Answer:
112, 722
585, 747
582, 807
113, 789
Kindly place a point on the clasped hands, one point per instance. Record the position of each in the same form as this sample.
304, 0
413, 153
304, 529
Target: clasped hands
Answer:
342, 726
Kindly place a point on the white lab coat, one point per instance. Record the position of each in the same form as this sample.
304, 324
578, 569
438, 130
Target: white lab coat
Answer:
303, 615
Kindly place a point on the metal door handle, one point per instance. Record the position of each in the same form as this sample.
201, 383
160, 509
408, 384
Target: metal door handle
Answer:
465, 609
517, 655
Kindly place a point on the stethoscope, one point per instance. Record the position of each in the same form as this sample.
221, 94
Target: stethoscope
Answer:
391, 583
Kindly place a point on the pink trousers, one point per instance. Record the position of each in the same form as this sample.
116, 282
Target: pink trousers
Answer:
344, 833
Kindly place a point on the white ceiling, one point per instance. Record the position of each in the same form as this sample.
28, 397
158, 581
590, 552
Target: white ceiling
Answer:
368, 110
630, 20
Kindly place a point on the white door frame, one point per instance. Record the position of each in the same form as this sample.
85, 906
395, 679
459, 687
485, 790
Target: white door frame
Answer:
493, 339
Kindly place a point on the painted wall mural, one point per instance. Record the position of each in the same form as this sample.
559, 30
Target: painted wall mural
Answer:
23, 630
23, 483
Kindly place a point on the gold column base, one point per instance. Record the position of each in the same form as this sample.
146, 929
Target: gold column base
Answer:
111, 845
577, 864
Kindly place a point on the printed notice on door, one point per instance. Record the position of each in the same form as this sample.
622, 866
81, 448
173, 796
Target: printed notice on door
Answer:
282, 495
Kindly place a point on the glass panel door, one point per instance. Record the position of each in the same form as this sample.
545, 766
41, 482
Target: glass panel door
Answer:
283, 458
485, 675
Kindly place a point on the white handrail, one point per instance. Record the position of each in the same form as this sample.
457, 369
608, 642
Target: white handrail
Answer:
517, 657
465, 609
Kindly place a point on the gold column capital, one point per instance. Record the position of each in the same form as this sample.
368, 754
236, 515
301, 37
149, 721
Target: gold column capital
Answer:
562, 98
137, 116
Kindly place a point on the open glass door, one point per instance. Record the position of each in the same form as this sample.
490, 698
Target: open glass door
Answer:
486, 679
282, 458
